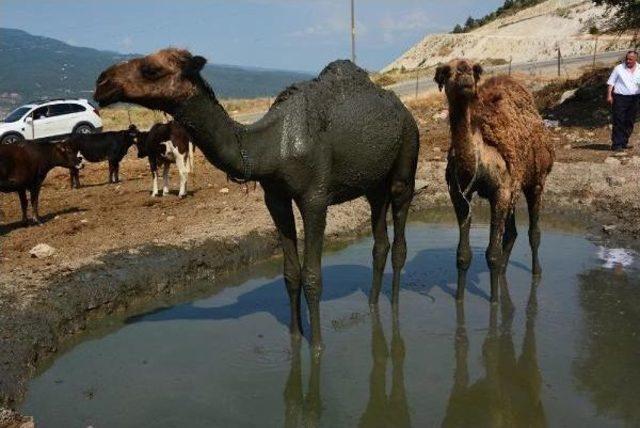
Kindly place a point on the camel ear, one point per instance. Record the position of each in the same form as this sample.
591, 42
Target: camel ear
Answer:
442, 74
194, 65
477, 71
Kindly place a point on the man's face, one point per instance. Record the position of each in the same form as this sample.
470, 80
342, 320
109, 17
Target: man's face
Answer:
631, 60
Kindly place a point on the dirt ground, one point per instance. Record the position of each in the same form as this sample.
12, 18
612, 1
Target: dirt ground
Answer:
99, 217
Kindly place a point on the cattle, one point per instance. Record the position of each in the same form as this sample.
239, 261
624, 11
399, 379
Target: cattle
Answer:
25, 165
109, 146
164, 144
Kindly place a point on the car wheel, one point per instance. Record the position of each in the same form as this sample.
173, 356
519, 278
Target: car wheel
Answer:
11, 139
83, 129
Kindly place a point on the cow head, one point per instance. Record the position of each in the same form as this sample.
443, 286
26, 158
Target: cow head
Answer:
66, 156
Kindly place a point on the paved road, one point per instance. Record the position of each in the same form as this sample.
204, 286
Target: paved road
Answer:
426, 82
543, 67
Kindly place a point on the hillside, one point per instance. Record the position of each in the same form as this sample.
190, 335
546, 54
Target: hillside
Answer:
40, 67
529, 35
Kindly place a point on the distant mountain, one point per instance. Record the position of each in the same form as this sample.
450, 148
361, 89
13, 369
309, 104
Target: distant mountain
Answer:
33, 67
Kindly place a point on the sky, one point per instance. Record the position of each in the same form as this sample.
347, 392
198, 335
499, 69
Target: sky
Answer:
301, 35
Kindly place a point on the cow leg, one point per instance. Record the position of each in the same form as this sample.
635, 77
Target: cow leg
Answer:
110, 172
24, 205
35, 193
74, 177
116, 172
165, 178
182, 170
154, 190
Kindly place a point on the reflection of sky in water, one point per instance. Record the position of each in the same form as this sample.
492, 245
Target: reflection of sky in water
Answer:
226, 359
616, 257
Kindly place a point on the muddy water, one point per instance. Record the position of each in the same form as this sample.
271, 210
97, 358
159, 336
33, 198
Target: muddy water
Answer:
563, 351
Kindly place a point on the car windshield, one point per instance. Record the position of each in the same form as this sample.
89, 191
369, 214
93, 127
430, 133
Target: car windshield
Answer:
15, 115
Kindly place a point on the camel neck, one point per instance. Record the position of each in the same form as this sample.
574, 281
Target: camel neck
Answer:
462, 132
227, 144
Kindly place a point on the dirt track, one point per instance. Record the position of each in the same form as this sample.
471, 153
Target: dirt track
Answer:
118, 248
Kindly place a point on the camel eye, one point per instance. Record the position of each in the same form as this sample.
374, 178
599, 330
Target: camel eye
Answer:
150, 71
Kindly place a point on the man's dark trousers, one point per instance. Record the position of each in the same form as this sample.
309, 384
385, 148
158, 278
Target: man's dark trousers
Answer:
625, 109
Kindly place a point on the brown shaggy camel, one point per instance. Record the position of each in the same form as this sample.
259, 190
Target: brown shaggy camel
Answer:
499, 147
322, 142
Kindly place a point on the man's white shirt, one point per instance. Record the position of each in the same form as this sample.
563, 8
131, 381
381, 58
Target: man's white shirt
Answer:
624, 81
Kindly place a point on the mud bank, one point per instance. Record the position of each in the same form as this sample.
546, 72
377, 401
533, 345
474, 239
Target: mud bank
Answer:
39, 314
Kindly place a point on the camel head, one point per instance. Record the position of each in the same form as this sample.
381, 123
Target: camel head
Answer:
161, 80
459, 78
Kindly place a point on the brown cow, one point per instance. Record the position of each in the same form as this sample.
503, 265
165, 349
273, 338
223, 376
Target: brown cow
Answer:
24, 166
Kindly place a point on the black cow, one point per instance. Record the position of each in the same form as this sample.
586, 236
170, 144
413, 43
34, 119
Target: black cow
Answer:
109, 146
25, 165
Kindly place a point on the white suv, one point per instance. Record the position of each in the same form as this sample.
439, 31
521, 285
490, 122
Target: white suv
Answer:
51, 118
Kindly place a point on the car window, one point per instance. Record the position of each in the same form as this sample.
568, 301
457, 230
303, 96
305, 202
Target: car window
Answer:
17, 114
40, 113
58, 109
76, 108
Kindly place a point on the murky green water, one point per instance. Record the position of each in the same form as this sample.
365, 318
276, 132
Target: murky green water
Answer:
564, 352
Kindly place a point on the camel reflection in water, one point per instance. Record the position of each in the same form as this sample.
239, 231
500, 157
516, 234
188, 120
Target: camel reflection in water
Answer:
509, 393
383, 410
304, 410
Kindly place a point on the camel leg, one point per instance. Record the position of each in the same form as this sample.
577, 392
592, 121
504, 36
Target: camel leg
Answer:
314, 218
24, 204
282, 213
379, 206
499, 212
401, 195
464, 254
534, 199
509, 239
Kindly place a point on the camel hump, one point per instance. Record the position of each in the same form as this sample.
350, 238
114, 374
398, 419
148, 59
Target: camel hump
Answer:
337, 76
343, 69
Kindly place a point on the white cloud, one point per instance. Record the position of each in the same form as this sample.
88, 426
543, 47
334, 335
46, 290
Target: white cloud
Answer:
393, 27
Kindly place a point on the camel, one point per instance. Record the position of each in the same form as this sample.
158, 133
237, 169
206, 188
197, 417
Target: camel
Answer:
322, 142
509, 392
499, 147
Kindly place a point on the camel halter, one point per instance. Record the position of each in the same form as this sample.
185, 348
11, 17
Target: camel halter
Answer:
465, 194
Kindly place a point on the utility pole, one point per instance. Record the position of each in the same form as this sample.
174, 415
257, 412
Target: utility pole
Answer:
559, 60
353, 33
595, 51
510, 61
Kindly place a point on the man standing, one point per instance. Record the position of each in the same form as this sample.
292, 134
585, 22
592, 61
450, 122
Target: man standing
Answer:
623, 93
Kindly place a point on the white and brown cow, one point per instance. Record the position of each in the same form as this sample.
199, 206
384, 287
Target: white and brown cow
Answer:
166, 144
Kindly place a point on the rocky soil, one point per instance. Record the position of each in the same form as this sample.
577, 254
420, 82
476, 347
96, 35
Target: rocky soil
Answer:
530, 35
